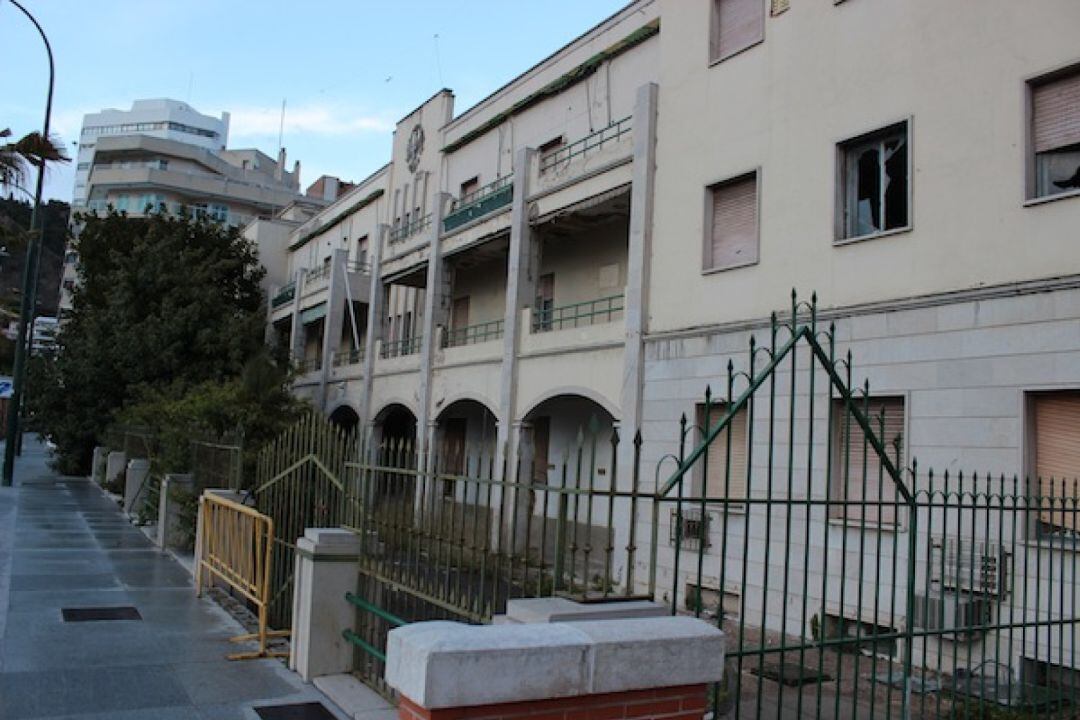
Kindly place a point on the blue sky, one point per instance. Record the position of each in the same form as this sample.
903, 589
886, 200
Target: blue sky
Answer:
348, 69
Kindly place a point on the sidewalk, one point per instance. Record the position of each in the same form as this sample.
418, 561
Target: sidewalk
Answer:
64, 544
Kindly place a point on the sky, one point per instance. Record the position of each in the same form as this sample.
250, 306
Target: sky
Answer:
347, 70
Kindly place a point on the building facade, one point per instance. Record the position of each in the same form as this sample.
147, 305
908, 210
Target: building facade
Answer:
163, 155
592, 244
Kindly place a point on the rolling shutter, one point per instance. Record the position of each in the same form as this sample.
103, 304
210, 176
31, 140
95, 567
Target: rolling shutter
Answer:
860, 464
738, 24
1056, 113
718, 485
1057, 456
734, 232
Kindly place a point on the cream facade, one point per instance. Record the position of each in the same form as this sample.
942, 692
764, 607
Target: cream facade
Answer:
602, 235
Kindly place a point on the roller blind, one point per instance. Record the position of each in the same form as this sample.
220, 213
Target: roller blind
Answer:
718, 484
1057, 455
733, 237
737, 24
1056, 113
858, 474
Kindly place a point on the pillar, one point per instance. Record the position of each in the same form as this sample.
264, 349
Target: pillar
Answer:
335, 317
374, 328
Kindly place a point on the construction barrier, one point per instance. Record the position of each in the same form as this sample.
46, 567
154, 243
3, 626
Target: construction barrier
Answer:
236, 545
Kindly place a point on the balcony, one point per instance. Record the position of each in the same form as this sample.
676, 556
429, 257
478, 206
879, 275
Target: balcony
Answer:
404, 231
400, 348
350, 357
473, 334
479, 203
284, 295
582, 314
591, 144
308, 365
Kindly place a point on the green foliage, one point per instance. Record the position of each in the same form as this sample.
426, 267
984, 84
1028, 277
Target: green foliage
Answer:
14, 233
167, 316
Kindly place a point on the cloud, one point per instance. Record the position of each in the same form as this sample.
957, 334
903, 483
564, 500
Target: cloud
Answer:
306, 120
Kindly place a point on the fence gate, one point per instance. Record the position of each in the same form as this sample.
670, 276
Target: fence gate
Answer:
299, 485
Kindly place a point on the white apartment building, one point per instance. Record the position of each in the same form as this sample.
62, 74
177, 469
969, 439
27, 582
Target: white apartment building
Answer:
600, 236
162, 154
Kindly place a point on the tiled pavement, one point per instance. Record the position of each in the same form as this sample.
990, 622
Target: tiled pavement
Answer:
63, 543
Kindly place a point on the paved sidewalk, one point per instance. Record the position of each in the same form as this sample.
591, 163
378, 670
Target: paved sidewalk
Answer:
64, 544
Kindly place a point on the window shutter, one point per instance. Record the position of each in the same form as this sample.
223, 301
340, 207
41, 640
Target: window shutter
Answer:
718, 484
1057, 455
1056, 113
734, 232
873, 483
738, 25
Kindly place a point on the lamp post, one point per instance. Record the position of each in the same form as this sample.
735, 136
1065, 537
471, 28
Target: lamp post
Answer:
29, 280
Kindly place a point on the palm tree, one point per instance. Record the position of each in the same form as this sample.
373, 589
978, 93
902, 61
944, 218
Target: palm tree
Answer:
33, 149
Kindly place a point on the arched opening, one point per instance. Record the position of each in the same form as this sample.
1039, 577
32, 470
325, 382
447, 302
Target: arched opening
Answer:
565, 433
395, 427
464, 442
345, 418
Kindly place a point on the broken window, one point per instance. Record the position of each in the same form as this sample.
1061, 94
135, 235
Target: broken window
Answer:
874, 177
1055, 132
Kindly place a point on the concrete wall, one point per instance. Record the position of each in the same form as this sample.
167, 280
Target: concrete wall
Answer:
829, 72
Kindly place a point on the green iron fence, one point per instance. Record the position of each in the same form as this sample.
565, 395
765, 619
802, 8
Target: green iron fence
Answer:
850, 581
479, 203
400, 347
472, 334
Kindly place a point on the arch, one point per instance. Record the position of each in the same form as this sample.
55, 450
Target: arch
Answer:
345, 417
464, 435
607, 406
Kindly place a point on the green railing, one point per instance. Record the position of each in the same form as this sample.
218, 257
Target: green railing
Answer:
285, 294
352, 357
308, 365
369, 645
400, 232
398, 348
479, 203
472, 334
582, 314
586, 145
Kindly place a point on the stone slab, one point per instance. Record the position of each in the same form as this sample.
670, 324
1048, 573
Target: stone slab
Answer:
556, 609
445, 664
355, 698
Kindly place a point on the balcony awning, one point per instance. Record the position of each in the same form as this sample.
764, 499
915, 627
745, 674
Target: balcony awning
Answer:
590, 203
312, 314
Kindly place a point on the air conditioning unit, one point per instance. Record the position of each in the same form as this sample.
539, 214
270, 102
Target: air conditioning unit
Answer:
965, 565
956, 616
691, 531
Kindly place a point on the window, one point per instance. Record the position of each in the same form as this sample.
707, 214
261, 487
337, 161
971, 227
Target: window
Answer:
1055, 435
1055, 134
858, 475
736, 25
721, 479
545, 301
121, 203
361, 250
873, 189
469, 187
219, 212
731, 237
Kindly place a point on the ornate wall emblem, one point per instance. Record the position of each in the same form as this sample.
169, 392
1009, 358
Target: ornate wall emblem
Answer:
414, 148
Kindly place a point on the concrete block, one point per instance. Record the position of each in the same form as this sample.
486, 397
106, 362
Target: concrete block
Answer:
115, 466
138, 470
325, 570
97, 465
169, 532
555, 609
445, 664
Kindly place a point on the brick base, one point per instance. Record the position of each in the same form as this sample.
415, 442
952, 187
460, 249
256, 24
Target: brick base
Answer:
686, 702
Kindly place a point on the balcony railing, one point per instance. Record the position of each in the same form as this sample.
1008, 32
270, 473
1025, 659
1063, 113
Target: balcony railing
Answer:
308, 365
472, 334
350, 357
480, 202
284, 295
402, 231
319, 273
582, 314
399, 348
590, 143
358, 266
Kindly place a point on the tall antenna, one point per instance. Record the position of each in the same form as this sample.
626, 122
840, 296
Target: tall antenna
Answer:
281, 127
438, 62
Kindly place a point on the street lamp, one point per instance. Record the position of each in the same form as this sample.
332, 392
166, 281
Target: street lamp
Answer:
29, 282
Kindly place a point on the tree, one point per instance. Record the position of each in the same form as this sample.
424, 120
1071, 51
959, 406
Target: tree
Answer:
164, 304
16, 158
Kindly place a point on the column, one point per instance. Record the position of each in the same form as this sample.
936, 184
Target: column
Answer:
374, 327
296, 333
335, 318
436, 309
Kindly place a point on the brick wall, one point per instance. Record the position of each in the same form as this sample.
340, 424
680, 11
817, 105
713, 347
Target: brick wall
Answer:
686, 702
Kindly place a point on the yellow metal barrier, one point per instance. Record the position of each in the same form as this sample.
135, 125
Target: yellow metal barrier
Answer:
236, 544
